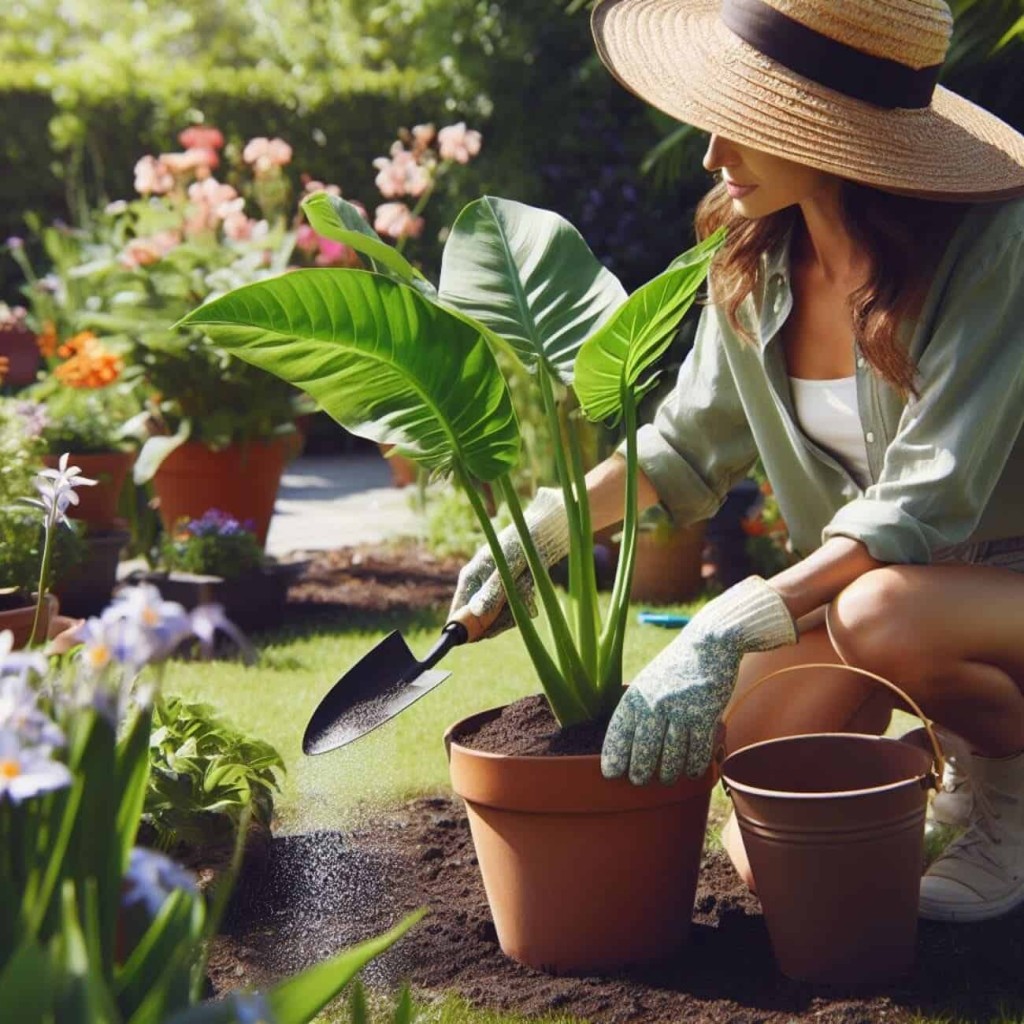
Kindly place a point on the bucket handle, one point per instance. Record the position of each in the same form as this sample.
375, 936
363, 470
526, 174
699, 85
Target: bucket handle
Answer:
940, 761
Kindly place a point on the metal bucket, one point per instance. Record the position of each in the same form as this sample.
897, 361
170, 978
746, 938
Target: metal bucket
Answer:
833, 825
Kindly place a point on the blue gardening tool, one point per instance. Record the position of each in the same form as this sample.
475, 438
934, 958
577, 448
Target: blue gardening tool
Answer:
667, 620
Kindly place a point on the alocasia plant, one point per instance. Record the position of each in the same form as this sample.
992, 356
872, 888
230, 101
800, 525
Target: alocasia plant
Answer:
395, 360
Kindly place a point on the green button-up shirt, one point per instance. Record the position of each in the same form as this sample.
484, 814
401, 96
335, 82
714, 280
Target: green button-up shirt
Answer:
946, 466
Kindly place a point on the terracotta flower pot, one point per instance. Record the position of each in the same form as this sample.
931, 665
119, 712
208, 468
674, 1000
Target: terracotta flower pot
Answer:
97, 505
667, 568
242, 480
403, 470
583, 874
18, 617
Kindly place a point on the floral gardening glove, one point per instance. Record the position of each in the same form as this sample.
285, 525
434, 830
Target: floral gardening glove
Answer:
670, 710
479, 585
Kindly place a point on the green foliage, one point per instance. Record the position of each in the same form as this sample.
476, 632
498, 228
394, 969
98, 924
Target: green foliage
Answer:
205, 777
83, 420
397, 366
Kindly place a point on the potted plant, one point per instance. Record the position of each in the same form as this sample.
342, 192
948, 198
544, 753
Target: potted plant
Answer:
214, 431
419, 370
215, 559
27, 607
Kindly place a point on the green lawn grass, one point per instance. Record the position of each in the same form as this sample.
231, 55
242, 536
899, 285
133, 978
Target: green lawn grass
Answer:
274, 699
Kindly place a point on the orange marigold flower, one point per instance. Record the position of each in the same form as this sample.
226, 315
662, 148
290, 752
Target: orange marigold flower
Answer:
5, 365
47, 339
88, 363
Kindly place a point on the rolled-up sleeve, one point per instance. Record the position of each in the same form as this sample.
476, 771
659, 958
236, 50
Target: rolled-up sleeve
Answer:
700, 443
954, 439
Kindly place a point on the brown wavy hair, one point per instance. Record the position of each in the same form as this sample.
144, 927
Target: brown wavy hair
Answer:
904, 238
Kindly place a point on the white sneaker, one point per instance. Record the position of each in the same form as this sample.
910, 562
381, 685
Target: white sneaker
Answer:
981, 874
953, 804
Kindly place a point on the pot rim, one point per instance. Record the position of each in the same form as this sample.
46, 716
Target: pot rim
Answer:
925, 779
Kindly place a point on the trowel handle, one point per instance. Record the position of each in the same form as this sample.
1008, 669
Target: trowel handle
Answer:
463, 627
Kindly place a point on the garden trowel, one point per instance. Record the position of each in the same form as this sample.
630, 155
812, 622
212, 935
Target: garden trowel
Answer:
383, 683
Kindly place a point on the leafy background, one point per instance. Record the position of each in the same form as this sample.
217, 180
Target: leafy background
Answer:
86, 88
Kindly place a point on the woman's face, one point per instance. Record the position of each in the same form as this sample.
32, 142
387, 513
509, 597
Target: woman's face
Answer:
759, 183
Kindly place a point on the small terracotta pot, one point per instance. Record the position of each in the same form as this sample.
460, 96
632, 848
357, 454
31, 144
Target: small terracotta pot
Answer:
667, 568
19, 620
241, 480
97, 505
583, 874
403, 470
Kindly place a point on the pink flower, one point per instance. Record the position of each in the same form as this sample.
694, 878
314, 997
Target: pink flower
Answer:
336, 254
306, 239
402, 175
240, 228
152, 178
180, 164
310, 186
201, 137
265, 154
396, 221
458, 143
142, 252
422, 136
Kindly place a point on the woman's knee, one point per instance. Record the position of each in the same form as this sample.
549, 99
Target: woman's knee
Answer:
874, 622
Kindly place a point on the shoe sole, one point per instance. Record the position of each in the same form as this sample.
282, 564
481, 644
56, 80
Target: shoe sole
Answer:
965, 913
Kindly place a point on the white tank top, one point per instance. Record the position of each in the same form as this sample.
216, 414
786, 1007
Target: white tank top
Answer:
828, 414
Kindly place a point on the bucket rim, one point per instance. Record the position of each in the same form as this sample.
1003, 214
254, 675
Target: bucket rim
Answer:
924, 779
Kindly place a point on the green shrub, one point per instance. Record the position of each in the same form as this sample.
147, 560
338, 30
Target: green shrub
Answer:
205, 777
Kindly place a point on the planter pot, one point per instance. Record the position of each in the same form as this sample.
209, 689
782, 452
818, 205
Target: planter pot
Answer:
254, 600
583, 874
87, 587
242, 480
668, 562
23, 358
403, 470
17, 612
97, 505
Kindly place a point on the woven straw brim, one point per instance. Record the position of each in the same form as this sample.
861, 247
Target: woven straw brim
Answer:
679, 57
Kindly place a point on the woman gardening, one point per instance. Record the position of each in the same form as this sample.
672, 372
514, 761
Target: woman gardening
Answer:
863, 338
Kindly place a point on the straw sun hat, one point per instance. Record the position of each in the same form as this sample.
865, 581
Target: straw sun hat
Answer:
846, 86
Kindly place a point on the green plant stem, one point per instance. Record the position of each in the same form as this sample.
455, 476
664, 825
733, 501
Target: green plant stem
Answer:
565, 703
418, 208
44, 573
612, 637
588, 615
572, 503
573, 671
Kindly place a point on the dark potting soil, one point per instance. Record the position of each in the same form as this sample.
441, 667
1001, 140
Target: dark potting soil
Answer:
528, 728
315, 894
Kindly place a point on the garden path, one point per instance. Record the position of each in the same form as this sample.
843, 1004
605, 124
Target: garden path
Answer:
339, 500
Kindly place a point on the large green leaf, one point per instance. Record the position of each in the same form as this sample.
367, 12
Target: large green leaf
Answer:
382, 360
622, 353
528, 275
337, 219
